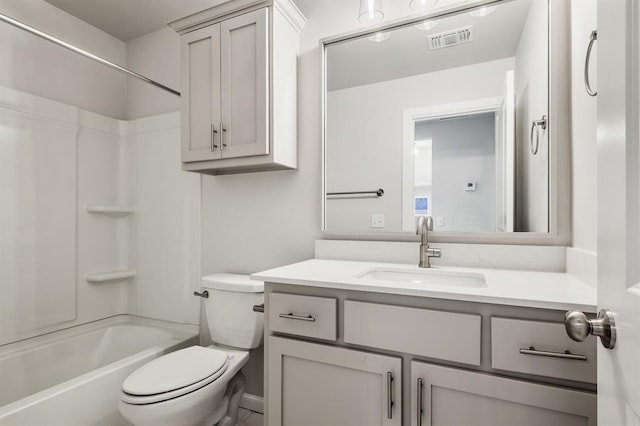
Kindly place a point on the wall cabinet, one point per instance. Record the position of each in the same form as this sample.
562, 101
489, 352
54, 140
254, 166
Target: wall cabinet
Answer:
239, 87
393, 360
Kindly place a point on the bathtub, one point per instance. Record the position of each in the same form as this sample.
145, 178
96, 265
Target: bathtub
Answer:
73, 376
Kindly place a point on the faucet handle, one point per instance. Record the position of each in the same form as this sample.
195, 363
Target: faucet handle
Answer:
434, 252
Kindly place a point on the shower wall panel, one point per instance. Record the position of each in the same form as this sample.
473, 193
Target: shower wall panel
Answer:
38, 154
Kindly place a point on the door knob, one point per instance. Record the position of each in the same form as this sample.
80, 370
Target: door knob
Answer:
579, 327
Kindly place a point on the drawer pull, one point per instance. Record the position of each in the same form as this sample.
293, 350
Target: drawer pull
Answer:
419, 404
389, 395
563, 355
292, 316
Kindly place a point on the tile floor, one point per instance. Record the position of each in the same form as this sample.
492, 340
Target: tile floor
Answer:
249, 418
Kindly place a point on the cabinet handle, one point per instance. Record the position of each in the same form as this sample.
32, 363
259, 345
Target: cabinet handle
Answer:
292, 316
389, 395
587, 60
563, 355
420, 407
213, 138
224, 132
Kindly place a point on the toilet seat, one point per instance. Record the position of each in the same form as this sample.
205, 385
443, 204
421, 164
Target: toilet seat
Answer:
174, 375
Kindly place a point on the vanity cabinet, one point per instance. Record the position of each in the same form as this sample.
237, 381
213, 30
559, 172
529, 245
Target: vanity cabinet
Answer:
324, 385
357, 358
451, 396
238, 101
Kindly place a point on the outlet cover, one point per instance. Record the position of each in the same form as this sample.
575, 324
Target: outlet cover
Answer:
377, 221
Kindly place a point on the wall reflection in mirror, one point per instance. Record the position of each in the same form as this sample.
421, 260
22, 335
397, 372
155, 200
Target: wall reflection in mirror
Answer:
448, 116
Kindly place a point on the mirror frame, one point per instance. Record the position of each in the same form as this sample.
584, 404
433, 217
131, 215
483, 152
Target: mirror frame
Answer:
559, 136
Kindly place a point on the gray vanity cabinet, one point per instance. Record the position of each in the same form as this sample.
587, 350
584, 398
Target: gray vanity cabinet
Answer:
357, 358
450, 396
315, 384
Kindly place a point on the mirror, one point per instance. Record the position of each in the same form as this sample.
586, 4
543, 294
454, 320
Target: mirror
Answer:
446, 117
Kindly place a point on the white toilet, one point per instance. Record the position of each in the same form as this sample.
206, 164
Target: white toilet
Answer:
198, 385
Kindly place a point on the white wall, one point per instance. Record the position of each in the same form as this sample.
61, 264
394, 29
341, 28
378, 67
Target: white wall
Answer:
532, 102
583, 128
168, 238
157, 56
364, 134
33, 65
463, 151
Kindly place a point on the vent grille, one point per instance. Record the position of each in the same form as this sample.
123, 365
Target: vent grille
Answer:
450, 38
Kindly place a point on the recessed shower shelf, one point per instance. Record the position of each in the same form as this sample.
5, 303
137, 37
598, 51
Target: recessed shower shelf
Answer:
110, 209
111, 275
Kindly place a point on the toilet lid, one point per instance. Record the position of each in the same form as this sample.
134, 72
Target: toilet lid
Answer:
176, 370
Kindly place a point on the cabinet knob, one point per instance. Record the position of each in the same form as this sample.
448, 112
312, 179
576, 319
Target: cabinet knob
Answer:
579, 327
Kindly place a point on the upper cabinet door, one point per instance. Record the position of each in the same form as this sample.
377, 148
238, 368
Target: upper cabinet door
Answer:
245, 88
201, 133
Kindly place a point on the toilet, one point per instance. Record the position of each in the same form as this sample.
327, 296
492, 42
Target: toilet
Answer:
201, 385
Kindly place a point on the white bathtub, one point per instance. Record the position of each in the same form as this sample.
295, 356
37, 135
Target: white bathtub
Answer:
73, 376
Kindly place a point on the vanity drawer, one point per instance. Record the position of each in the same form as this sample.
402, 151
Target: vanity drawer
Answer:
435, 334
536, 347
308, 316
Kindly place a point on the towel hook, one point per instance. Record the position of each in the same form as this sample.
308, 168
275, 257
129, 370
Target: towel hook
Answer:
535, 126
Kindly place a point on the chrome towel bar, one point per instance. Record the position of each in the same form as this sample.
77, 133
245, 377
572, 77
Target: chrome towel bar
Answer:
377, 193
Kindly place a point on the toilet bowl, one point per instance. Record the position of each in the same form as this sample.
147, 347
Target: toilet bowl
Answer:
201, 385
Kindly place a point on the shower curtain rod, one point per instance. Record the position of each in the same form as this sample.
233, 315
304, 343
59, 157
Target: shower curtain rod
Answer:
82, 52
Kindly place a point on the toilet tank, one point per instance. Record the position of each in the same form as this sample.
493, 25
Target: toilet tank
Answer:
229, 310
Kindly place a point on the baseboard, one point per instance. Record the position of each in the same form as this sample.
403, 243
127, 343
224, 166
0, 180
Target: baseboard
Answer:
252, 402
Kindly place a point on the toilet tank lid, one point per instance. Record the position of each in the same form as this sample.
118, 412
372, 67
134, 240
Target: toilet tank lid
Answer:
232, 282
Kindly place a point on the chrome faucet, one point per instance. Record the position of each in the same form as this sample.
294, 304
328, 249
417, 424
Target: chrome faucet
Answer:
425, 224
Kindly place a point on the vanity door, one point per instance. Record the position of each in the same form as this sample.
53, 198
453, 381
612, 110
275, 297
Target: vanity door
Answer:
450, 396
312, 384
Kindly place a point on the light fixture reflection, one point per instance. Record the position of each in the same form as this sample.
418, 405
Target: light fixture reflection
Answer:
379, 37
482, 11
370, 12
428, 24
422, 5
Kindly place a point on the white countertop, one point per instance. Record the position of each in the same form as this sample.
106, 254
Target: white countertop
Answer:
545, 290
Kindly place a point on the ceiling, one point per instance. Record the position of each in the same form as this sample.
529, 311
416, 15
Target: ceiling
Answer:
127, 19
406, 52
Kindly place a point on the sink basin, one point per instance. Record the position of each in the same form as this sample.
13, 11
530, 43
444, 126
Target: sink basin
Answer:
426, 277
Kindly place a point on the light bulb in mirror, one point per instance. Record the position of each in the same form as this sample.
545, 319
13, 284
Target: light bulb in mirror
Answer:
370, 12
482, 11
379, 37
422, 5
428, 24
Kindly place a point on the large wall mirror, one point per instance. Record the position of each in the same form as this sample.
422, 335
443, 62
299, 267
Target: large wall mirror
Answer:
446, 117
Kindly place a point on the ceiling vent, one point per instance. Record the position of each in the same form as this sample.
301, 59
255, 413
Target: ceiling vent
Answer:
450, 38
